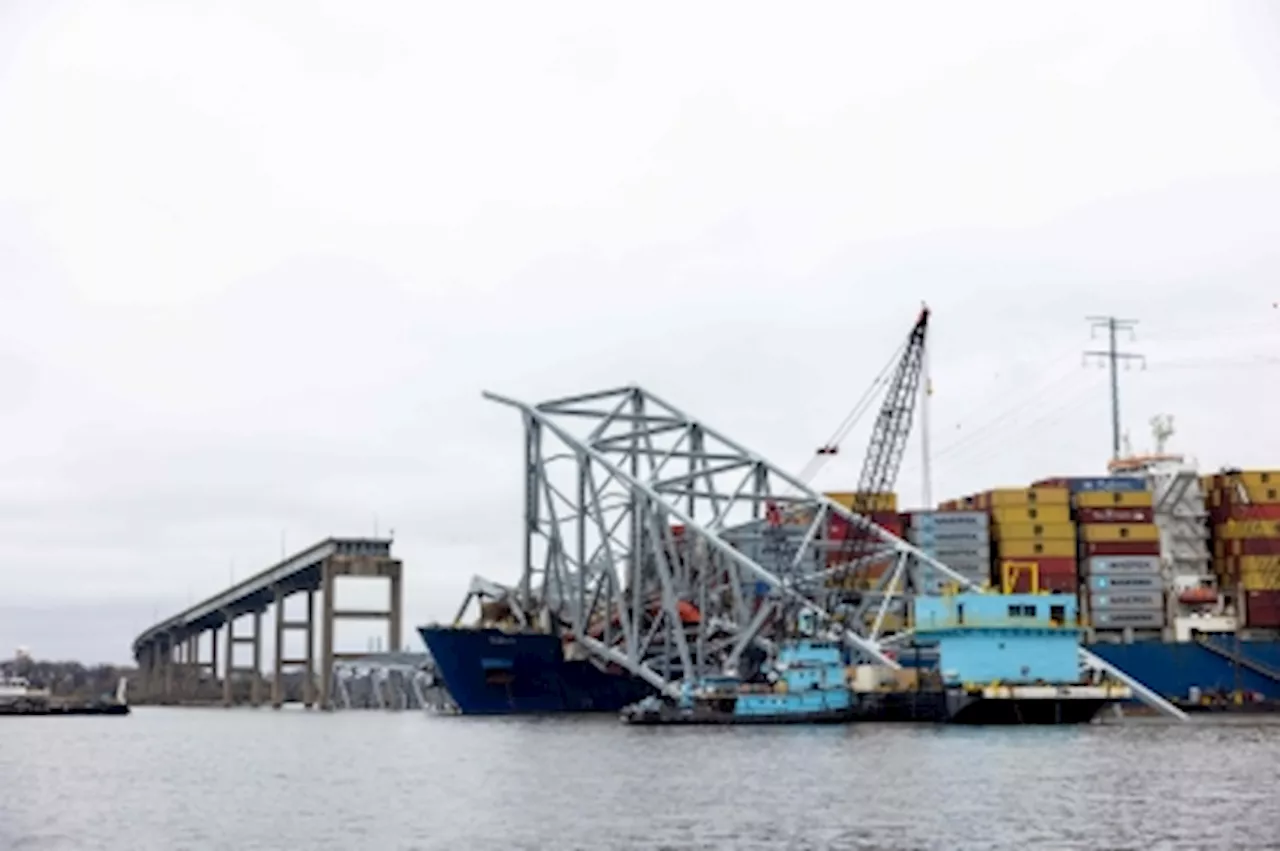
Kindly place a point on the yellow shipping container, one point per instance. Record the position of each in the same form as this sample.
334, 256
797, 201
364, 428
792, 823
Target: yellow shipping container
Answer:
1095, 532
1034, 531
1019, 548
1032, 514
1263, 581
1112, 499
1249, 478
864, 501
1013, 497
1257, 494
1248, 529
1258, 564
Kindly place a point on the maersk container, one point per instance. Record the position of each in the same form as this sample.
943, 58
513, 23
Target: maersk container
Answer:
1122, 582
947, 538
1121, 565
1126, 600
936, 520
969, 555
1119, 619
970, 565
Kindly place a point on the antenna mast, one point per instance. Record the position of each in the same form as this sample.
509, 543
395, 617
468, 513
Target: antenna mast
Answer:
1114, 356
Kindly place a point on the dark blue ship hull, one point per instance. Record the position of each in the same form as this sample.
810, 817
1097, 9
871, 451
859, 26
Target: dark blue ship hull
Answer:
1174, 669
491, 672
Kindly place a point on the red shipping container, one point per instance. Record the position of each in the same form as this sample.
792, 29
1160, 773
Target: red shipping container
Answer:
1052, 483
838, 529
1054, 574
1114, 515
1251, 547
1262, 609
1268, 511
1062, 583
1119, 548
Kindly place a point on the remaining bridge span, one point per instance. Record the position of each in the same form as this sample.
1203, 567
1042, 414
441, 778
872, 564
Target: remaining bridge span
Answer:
169, 653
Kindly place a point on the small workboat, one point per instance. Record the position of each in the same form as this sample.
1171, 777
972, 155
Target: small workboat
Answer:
805, 684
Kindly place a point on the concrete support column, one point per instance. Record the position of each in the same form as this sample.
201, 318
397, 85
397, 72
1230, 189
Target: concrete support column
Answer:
230, 653
213, 655
255, 685
396, 611
167, 655
326, 641
309, 678
277, 672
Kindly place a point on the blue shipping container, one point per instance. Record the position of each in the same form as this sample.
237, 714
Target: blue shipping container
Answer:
1112, 484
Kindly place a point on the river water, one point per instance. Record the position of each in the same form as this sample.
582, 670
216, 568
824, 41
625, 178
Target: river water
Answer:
255, 779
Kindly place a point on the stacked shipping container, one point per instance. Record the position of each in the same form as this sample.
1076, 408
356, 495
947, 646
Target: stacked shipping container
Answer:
1244, 514
959, 539
1031, 526
1122, 586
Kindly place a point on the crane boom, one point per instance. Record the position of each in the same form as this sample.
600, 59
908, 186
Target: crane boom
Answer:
893, 424
889, 433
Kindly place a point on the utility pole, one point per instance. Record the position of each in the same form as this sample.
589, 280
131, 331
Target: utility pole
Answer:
1113, 356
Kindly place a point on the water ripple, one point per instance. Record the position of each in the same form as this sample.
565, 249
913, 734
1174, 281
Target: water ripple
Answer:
212, 779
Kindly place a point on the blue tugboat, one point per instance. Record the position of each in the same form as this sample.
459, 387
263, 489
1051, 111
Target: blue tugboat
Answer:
805, 684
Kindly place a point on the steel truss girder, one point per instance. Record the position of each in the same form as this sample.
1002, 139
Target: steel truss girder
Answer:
603, 559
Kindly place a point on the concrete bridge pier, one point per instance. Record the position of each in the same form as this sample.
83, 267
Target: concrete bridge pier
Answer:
282, 659
254, 671
363, 565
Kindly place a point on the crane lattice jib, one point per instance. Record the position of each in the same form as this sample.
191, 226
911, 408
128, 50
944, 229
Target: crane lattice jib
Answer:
892, 427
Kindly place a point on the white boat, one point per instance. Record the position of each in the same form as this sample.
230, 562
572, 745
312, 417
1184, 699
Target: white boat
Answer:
18, 690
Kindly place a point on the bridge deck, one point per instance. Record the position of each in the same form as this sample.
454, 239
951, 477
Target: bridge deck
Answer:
298, 572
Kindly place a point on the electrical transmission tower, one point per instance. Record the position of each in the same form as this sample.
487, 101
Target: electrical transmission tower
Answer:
1113, 356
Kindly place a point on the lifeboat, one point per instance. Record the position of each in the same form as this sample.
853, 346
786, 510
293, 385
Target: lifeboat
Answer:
1198, 596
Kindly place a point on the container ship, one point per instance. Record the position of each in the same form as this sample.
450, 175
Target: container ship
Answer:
1176, 575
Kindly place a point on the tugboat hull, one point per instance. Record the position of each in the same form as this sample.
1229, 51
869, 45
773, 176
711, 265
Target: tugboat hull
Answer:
667, 714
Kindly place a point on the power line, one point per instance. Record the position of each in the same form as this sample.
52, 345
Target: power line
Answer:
1113, 356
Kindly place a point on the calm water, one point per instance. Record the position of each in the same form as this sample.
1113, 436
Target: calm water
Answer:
207, 778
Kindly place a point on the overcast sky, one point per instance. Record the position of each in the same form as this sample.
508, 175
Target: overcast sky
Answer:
258, 260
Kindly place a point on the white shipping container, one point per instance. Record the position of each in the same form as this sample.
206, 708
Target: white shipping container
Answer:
1114, 584
1119, 619
1126, 600
949, 520
953, 537
1126, 565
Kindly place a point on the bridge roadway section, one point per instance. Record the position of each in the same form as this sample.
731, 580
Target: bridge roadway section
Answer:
169, 653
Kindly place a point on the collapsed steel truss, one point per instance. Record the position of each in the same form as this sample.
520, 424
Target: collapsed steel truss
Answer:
661, 546
667, 549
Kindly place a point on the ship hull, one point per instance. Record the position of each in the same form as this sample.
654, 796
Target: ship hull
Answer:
1176, 669
491, 672
1027, 712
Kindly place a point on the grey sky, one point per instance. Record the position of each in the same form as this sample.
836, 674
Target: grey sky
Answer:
257, 261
